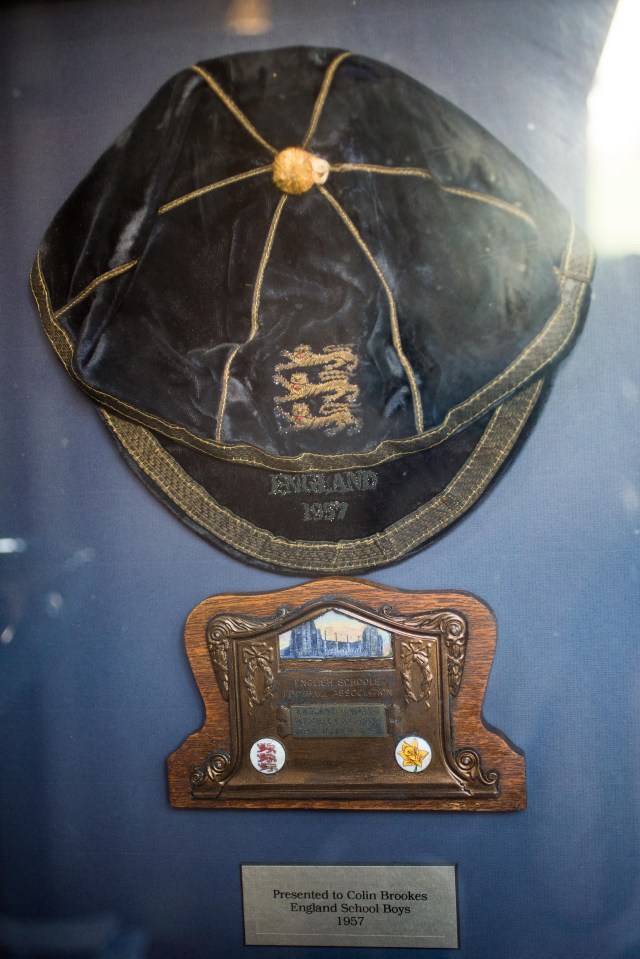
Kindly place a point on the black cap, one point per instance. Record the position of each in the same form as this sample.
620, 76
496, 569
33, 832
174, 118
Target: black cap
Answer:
316, 303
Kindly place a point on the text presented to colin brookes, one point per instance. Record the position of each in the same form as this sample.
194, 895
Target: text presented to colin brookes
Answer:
375, 906
353, 902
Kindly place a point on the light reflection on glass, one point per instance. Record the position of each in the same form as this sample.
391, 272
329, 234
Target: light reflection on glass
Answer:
248, 18
614, 138
9, 544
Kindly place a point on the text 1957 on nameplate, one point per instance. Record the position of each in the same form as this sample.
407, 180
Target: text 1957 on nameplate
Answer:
412, 907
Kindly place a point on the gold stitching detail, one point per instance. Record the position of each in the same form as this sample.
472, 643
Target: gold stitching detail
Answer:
255, 307
64, 348
569, 309
266, 253
332, 372
322, 96
530, 394
450, 418
395, 331
455, 190
211, 186
57, 335
491, 451
88, 290
233, 108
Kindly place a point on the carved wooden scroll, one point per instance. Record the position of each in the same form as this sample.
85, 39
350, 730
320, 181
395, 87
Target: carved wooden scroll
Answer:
344, 694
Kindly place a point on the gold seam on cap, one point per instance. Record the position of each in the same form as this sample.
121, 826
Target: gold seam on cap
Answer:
427, 521
43, 301
503, 446
525, 353
65, 348
88, 290
255, 308
449, 424
233, 108
395, 331
496, 442
57, 336
210, 187
266, 253
425, 175
569, 308
322, 96
458, 425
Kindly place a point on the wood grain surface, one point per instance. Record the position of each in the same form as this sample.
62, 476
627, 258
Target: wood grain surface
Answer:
468, 727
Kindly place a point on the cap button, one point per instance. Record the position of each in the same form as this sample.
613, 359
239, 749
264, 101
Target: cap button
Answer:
296, 171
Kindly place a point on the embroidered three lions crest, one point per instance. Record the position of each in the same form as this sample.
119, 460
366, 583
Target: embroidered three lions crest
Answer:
320, 392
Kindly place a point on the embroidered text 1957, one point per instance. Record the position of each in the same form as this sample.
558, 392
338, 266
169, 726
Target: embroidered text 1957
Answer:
323, 484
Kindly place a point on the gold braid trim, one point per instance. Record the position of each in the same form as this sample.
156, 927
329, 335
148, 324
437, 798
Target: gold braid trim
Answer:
212, 186
233, 108
574, 276
345, 556
255, 309
395, 330
88, 290
322, 96
425, 175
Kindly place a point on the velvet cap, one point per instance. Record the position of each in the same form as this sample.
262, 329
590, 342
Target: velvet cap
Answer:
317, 305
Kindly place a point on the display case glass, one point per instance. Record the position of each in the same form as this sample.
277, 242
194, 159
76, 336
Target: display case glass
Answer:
97, 577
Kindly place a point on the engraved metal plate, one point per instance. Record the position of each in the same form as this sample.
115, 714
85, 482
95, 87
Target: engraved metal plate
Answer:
411, 907
325, 720
344, 693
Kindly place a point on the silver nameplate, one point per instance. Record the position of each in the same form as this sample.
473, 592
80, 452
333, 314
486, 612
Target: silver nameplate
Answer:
411, 907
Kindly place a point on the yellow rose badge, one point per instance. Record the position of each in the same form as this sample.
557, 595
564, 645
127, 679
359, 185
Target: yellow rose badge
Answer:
413, 754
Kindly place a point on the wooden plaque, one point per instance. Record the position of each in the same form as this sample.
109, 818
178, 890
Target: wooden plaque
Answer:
343, 694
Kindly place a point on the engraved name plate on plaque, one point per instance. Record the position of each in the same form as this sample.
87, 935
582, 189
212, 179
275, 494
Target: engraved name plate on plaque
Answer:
344, 694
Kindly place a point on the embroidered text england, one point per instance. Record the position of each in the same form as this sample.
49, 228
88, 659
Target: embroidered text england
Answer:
361, 481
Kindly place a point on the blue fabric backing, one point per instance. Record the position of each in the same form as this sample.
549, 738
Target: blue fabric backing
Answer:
95, 686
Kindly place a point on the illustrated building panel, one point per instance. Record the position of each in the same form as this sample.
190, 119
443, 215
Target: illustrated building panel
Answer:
335, 635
